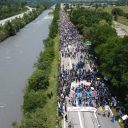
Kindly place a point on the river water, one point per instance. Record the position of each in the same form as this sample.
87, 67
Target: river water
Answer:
17, 57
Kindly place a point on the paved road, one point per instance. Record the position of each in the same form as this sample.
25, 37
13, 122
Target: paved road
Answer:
82, 119
87, 119
67, 62
2, 22
106, 122
78, 119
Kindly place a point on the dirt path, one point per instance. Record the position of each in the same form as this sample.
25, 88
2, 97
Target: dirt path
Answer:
121, 29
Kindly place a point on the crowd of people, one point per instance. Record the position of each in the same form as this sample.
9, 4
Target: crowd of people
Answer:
80, 85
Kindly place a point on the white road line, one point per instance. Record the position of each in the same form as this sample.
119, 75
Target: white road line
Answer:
70, 62
95, 115
110, 111
64, 121
81, 125
89, 67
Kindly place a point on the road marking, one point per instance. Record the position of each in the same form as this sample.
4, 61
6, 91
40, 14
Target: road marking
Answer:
81, 109
95, 115
64, 120
81, 125
70, 62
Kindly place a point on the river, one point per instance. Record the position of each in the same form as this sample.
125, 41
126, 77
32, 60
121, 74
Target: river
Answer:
17, 57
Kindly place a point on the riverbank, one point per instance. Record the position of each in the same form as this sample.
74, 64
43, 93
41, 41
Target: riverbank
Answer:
15, 69
39, 108
19, 15
50, 107
11, 28
9, 11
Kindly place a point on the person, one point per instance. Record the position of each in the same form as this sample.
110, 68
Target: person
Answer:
108, 114
69, 125
104, 113
113, 118
66, 116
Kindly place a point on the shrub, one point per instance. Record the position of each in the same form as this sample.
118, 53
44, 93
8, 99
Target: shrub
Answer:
34, 100
38, 81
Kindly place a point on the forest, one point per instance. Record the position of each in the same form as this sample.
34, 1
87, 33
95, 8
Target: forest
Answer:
109, 49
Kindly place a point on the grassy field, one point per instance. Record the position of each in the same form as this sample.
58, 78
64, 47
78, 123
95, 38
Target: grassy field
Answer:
121, 19
109, 8
53, 80
124, 8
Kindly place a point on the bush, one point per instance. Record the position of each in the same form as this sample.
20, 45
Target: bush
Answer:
84, 18
38, 81
33, 100
54, 26
10, 29
37, 119
117, 11
126, 15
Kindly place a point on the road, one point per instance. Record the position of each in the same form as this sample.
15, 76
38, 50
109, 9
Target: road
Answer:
2, 22
82, 120
85, 119
78, 118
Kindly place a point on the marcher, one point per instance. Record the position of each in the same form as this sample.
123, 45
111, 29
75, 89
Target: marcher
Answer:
108, 114
66, 116
74, 62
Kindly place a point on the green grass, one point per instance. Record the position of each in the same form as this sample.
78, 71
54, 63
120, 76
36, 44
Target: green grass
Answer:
123, 20
53, 80
124, 8
109, 8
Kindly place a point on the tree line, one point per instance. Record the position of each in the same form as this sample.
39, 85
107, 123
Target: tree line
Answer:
9, 8
110, 50
12, 27
119, 12
36, 97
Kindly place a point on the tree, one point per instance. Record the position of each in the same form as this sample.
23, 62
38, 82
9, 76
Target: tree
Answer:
126, 15
34, 100
37, 119
10, 28
38, 81
102, 33
117, 11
